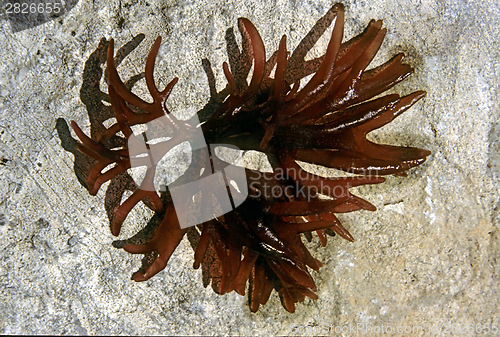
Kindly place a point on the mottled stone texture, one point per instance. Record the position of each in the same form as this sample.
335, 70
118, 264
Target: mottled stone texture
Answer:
428, 256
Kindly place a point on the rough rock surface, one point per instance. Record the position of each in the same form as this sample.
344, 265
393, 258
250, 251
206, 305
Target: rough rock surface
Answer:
429, 257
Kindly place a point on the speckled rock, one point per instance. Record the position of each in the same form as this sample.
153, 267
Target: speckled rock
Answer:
426, 260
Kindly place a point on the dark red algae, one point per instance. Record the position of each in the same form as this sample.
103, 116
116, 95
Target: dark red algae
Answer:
324, 122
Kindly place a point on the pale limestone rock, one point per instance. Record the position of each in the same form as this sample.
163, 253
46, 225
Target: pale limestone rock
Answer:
429, 255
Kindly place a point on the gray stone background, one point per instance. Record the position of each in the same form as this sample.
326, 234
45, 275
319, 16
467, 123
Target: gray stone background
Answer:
428, 257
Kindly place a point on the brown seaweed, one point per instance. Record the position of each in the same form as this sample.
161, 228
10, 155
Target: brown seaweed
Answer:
324, 122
